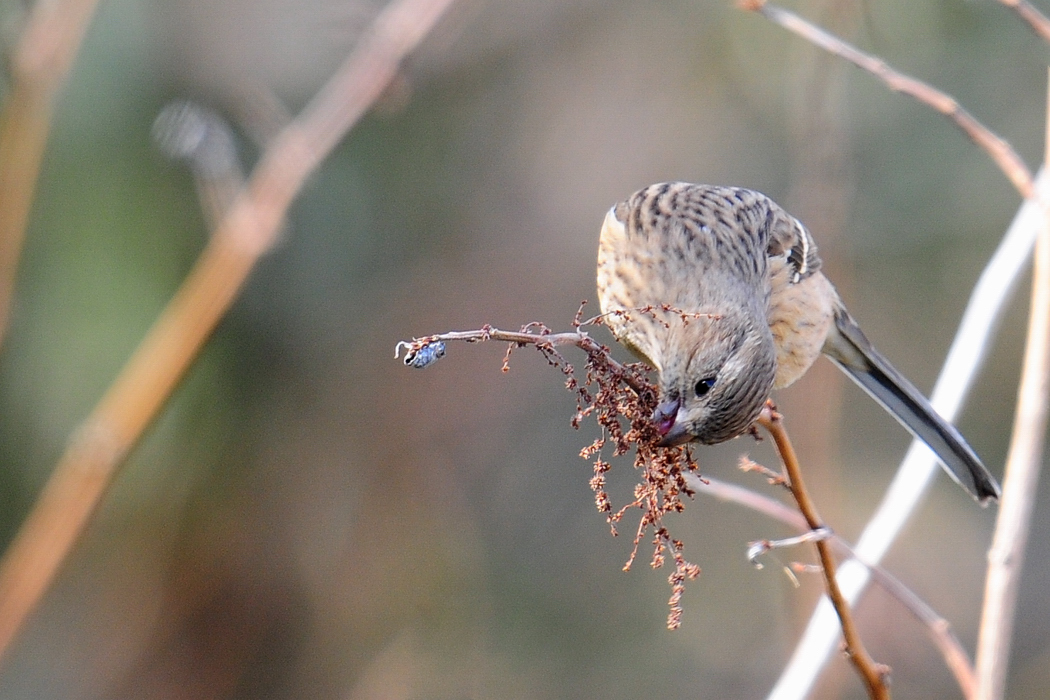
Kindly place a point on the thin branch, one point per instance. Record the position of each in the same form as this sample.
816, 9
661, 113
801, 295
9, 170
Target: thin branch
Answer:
873, 674
39, 65
521, 338
965, 356
938, 628
620, 399
995, 146
919, 467
1035, 19
1020, 482
248, 230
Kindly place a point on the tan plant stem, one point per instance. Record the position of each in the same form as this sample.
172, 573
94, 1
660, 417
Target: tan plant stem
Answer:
939, 629
995, 146
39, 65
1035, 19
1020, 482
872, 674
247, 231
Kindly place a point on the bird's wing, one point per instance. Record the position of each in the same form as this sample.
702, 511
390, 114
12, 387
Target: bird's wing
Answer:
790, 244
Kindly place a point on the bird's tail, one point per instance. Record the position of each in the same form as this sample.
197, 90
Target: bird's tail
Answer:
853, 352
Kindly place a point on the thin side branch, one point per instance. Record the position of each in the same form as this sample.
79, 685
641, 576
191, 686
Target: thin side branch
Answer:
873, 674
995, 146
247, 231
577, 338
938, 628
1039, 22
39, 65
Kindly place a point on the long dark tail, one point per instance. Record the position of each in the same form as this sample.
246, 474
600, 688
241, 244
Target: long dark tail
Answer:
853, 352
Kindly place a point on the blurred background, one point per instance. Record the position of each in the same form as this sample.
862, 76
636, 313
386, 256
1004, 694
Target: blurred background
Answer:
311, 519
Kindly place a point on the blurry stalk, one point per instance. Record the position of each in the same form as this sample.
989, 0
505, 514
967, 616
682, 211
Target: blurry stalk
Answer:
247, 231
964, 357
199, 137
39, 65
1035, 19
938, 628
1006, 557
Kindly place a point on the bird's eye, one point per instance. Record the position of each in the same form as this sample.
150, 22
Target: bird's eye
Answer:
704, 385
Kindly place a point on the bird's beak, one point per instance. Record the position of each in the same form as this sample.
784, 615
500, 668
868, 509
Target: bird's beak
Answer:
665, 417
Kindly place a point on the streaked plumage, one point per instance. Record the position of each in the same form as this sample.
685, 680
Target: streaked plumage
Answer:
750, 312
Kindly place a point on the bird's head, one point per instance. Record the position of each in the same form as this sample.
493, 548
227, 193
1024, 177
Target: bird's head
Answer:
715, 379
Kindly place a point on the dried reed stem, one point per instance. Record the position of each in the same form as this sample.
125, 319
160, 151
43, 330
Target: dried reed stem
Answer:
39, 65
248, 230
1035, 19
1020, 482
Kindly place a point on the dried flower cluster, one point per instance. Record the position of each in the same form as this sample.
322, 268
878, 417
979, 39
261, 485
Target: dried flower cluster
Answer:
620, 398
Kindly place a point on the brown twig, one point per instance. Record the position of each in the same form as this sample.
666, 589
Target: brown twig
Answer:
995, 146
1020, 481
1039, 22
39, 65
520, 338
872, 673
247, 231
938, 628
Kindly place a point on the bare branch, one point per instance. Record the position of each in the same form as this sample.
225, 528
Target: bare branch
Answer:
939, 629
247, 231
520, 339
873, 674
39, 65
1035, 19
621, 399
996, 147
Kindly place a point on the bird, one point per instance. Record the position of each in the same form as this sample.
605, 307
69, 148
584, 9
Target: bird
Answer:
720, 291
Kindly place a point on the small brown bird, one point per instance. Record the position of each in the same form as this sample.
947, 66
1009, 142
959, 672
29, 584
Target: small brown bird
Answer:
720, 291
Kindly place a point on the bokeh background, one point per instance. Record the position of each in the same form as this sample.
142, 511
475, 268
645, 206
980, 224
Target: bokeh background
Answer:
311, 519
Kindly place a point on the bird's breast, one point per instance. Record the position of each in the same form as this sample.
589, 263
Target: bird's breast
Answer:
800, 315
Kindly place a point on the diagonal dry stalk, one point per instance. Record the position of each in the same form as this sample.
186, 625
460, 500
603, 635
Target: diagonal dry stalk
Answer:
873, 674
995, 146
1030, 14
39, 65
247, 231
939, 629
1023, 462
